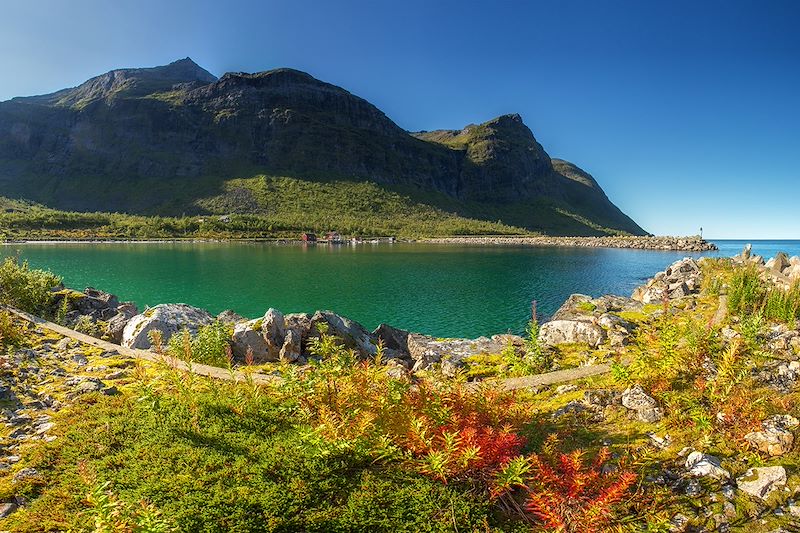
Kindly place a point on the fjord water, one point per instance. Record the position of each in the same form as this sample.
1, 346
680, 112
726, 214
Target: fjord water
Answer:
441, 290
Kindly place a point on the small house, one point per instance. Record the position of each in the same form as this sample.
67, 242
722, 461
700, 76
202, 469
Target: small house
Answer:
333, 236
309, 237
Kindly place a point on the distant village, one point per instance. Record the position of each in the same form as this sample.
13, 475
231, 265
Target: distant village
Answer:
333, 237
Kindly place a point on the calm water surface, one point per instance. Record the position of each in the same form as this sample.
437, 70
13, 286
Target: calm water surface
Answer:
446, 291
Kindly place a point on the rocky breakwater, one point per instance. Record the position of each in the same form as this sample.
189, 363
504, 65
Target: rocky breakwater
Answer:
781, 270
682, 244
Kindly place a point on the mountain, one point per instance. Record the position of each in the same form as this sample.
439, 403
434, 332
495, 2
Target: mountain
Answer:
169, 139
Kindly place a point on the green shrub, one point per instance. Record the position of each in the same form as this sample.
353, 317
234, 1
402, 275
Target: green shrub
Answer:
746, 292
209, 347
11, 334
783, 305
86, 325
750, 295
540, 359
26, 289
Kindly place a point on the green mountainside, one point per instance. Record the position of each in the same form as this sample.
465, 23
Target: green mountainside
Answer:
174, 140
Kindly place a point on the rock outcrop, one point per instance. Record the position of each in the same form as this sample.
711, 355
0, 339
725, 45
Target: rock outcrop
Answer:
776, 437
699, 464
572, 331
644, 405
592, 321
679, 280
427, 351
781, 269
760, 482
266, 339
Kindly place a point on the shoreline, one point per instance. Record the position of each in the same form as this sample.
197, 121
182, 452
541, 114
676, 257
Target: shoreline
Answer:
687, 244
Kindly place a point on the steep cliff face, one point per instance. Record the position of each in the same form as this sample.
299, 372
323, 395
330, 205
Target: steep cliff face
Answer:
115, 135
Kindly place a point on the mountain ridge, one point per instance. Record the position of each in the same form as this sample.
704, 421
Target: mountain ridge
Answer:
118, 132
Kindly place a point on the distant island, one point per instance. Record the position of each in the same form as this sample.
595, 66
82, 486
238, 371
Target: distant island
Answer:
173, 151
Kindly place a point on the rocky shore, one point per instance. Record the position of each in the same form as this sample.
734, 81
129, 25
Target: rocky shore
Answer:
683, 244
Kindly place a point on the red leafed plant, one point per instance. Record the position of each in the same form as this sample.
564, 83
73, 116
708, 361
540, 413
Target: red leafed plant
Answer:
566, 494
463, 446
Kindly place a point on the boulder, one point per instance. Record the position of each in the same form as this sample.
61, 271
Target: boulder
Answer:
352, 334
229, 316
759, 482
583, 307
699, 464
292, 348
97, 305
264, 337
247, 337
167, 318
776, 437
571, 331
393, 338
116, 325
746, 252
650, 294
792, 272
778, 263
576, 307
300, 323
451, 353
645, 406
681, 279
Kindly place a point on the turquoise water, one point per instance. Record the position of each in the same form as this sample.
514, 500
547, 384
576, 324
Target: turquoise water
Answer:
446, 291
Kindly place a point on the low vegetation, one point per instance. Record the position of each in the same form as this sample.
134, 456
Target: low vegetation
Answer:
26, 289
750, 295
262, 207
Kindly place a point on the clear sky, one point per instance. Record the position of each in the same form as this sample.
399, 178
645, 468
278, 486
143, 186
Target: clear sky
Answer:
687, 112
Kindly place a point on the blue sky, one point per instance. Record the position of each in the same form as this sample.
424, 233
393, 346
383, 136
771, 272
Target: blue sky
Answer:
687, 113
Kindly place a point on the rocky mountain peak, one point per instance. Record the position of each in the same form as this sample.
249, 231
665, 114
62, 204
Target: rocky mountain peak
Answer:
187, 70
127, 82
176, 122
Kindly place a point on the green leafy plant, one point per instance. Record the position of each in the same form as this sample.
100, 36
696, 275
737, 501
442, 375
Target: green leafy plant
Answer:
25, 288
208, 346
538, 356
112, 515
86, 325
11, 332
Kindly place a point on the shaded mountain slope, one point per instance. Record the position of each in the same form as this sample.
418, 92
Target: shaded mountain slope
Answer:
167, 139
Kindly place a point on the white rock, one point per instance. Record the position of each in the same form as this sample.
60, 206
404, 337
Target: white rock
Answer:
167, 318
646, 407
571, 332
759, 482
699, 464
563, 389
